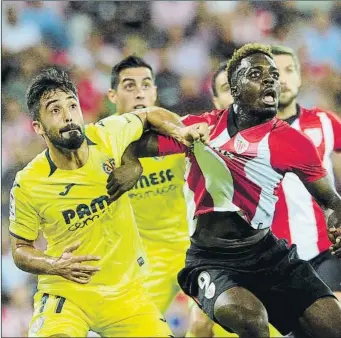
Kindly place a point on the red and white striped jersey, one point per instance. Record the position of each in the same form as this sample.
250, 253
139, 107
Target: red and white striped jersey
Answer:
242, 171
298, 218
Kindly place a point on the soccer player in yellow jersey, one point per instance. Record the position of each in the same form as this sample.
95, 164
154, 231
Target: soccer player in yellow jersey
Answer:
89, 276
157, 198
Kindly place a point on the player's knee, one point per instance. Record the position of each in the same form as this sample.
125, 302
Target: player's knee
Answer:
323, 318
242, 320
201, 327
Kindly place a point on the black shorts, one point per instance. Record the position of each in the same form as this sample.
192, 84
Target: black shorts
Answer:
285, 284
328, 268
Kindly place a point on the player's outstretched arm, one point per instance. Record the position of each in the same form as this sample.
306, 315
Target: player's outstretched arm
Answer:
30, 259
167, 123
324, 193
149, 145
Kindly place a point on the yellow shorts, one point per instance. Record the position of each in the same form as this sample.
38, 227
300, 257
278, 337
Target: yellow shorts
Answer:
161, 280
131, 314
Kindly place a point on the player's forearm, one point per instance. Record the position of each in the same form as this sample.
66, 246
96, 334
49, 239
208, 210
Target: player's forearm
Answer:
147, 145
161, 120
32, 260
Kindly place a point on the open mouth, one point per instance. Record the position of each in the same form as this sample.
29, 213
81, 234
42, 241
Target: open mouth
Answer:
269, 97
140, 106
70, 129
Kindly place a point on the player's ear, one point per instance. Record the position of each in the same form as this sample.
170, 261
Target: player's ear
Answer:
38, 127
112, 96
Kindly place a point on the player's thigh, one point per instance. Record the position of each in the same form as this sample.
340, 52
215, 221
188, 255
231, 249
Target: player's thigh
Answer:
161, 283
141, 318
218, 331
294, 289
56, 316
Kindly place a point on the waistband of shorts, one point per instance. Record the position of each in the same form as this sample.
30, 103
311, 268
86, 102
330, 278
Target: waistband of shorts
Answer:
255, 244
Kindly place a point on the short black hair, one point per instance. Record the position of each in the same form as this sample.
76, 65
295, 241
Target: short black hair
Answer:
284, 50
131, 61
49, 79
222, 68
242, 53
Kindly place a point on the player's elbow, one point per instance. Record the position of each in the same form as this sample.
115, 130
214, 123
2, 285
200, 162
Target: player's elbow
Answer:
18, 252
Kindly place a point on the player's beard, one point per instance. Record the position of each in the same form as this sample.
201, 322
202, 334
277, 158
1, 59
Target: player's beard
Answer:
267, 112
74, 141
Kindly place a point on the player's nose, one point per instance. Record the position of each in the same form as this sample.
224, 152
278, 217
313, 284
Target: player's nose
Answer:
140, 93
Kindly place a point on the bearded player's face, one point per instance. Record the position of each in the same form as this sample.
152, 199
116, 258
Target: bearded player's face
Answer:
135, 90
290, 79
61, 120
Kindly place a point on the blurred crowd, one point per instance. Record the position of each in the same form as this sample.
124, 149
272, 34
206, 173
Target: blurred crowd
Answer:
183, 41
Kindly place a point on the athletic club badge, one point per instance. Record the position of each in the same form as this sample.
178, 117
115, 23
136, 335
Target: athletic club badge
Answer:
240, 144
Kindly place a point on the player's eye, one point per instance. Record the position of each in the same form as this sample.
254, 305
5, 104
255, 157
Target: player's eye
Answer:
275, 75
225, 88
146, 85
73, 106
55, 110
255, 74
129, 86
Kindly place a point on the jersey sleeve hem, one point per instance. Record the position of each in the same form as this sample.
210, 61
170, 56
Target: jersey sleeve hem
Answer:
19, 237
315, 178
21, 234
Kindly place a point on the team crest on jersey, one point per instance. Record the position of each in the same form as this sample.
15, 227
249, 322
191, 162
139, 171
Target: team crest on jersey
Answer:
315, 134
37, 325
109, 165
240, 144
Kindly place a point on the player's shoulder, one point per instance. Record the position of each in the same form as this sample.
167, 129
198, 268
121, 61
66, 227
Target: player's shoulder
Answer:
315, 112
285, 132
110, 125
36, 170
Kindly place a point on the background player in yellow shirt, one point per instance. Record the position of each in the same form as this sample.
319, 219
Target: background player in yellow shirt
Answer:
157, 198
62, 192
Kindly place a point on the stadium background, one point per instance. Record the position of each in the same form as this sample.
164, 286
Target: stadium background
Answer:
183, 41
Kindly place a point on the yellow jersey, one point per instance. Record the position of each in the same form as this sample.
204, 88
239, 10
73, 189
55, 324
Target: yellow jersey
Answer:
159, 204
71, 206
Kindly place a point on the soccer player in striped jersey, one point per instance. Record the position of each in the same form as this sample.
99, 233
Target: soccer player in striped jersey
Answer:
298, 217
200, 325
89, 277
236, 270
301, 223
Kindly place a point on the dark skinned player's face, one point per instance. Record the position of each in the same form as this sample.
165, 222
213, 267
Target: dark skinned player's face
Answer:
257, 86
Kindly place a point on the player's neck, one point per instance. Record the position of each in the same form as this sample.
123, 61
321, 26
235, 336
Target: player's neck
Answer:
245, 118
288, 111
69, 159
